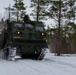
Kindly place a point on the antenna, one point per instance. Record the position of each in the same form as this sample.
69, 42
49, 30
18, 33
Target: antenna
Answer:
8, 8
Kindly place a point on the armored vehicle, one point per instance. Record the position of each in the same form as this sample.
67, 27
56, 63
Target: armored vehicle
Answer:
27, 37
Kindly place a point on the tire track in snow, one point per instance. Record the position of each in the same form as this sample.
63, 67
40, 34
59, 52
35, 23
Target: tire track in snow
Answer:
33, 67
50, 69
61, 62
37, 68
62, 69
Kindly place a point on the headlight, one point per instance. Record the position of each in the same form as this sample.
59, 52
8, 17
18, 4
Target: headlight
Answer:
18, 33
42, 33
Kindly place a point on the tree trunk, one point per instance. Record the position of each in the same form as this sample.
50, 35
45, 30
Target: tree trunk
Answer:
17, 15
37, 17
59, 31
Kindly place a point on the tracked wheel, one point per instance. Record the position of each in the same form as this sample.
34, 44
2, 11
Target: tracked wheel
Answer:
42, 54
41, 57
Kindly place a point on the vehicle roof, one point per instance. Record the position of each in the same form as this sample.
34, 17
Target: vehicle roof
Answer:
30, 22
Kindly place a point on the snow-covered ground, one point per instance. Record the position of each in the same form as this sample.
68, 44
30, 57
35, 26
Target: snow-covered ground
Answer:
50, 65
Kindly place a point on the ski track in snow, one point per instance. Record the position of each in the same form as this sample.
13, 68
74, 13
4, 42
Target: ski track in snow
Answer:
48, 66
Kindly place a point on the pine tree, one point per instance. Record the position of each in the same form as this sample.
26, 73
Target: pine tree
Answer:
40, 7
62, 11
19, 9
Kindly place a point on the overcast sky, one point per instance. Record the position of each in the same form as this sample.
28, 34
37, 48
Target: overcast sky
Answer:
5, 3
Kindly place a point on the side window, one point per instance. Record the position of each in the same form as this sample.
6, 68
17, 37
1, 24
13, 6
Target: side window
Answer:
39, 28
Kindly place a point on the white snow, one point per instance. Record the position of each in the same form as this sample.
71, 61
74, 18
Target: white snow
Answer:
50, 65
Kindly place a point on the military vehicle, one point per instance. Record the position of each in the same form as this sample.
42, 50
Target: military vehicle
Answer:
28, 38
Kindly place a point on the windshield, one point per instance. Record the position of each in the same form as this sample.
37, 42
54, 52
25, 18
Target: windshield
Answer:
39, 28
18, 25
28, 25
